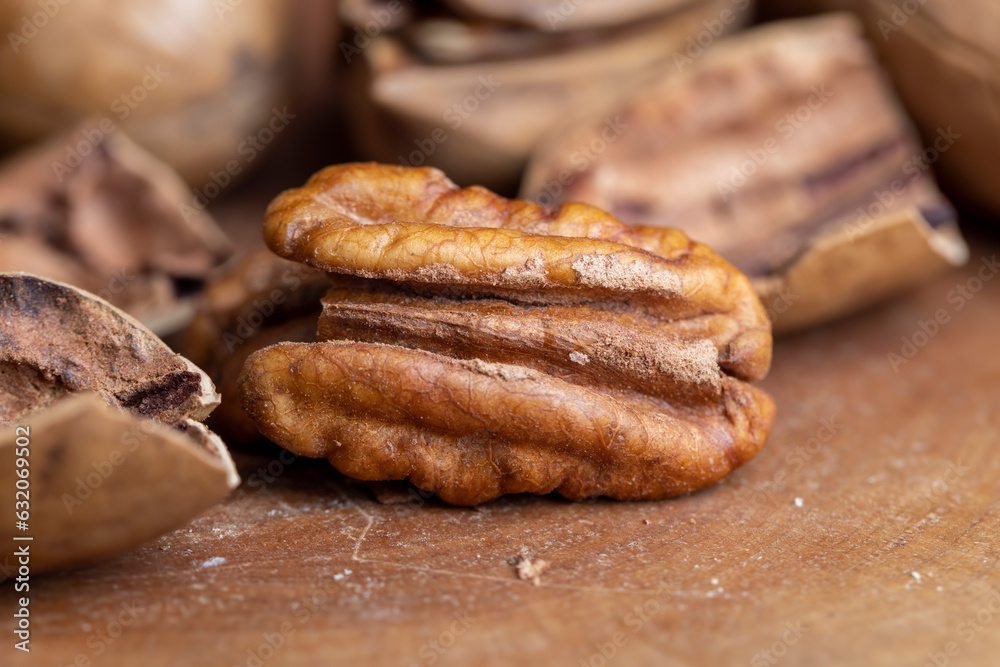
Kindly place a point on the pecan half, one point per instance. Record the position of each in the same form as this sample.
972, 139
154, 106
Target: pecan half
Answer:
481, 346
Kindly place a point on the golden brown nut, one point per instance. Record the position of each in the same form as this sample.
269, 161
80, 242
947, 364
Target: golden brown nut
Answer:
486, 346
108, 418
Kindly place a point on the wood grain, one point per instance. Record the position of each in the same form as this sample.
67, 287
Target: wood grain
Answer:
890, 557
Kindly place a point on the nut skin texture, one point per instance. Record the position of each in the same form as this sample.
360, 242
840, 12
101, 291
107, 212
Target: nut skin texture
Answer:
471, 432
481, 346
350, 219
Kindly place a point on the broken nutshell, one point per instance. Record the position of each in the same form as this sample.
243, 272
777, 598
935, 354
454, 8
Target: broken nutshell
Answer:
782, 148
92, 209
475, 98
112, 420
944, 59
189, 90
553, 15
479, 346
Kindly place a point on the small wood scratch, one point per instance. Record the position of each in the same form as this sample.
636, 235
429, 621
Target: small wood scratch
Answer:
538, 565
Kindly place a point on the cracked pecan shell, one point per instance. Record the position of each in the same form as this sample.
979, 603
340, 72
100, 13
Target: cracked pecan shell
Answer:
112, 415
481, 346
57, 340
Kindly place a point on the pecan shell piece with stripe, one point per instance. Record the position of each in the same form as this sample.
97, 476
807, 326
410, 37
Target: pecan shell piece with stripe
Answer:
480, 346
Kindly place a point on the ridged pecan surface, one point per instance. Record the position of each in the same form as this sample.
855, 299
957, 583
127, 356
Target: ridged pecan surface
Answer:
480, 346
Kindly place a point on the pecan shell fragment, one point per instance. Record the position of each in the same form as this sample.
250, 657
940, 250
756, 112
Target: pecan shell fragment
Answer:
784, 149
481, 346
108, 418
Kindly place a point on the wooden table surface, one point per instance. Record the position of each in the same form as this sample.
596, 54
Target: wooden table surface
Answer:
866, 532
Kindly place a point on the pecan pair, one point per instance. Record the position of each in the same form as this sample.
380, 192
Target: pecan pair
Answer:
480, 346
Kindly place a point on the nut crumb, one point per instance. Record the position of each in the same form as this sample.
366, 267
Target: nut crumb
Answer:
579, 357
647, 521
610, 272
798, 502
529, 569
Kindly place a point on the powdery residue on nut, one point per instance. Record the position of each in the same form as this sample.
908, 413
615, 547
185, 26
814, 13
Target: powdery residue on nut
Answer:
430, 273
691, 362
507, 372
608, 272
532, 272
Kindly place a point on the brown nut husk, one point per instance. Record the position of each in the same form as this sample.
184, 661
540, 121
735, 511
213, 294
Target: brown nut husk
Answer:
258, 300
115, 222
189, 81
104, 481
944, 59
480, 346
479, 121
801, 167
116, 452
552, 15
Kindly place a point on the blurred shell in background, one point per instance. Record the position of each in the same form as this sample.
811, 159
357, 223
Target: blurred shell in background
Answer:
553, 15
90, 208
944, 58
474, 97
783, 149
256, 300
186, 79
